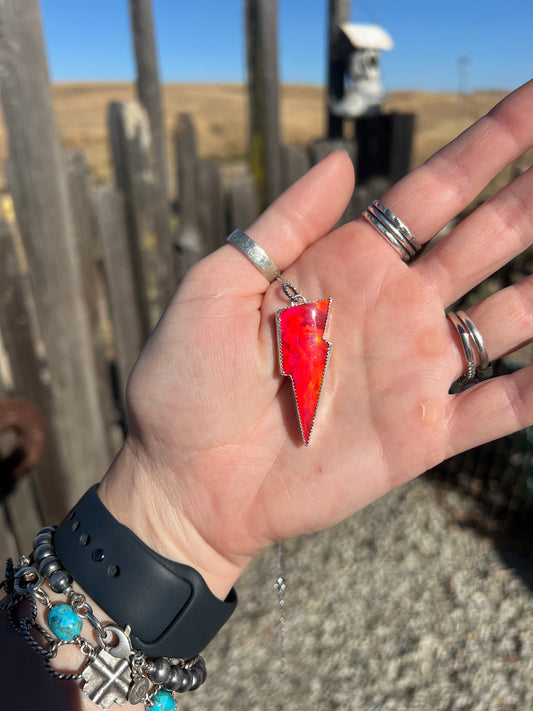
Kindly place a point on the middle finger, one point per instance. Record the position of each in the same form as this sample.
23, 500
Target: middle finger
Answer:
434, 193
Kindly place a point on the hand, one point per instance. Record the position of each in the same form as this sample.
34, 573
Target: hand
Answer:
214, 469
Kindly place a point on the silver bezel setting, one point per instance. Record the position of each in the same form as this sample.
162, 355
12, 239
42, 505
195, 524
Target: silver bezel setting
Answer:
289, 375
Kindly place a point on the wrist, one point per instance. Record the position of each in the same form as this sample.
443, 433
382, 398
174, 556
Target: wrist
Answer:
131, 492
57, 615
167, 605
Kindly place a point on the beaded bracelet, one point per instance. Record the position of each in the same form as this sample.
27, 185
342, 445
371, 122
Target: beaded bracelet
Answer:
112, 671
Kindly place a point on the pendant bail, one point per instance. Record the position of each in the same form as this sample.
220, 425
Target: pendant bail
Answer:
290, 292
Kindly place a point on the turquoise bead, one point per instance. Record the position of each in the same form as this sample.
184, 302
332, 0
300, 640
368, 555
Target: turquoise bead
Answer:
64, 622
163, 701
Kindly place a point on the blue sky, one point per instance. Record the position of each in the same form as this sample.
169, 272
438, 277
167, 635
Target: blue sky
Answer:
203, 41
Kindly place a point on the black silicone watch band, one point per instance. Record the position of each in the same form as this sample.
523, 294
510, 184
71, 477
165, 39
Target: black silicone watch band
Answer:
170, 609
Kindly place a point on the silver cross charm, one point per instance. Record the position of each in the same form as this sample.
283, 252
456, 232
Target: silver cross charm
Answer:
107, 680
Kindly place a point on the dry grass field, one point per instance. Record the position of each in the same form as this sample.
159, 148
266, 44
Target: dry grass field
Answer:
219, 113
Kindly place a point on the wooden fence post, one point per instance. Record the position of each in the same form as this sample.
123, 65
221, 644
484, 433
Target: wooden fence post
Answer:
130, 145
30, 381
211, 204
338, 14
295, 162
39, 188
149, 95
261, 48
190, 241
242, 202
31, 377
92, 286
127, 332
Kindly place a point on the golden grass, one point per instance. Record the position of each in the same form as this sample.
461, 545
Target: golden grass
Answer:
219, 113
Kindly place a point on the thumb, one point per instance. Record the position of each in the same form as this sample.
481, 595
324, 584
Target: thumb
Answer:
304, 213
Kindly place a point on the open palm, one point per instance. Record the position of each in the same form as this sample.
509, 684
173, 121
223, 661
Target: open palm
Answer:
214, 447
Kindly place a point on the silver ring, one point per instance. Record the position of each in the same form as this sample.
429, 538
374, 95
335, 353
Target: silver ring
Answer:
484, 368
471, 339
393, 229
255, 254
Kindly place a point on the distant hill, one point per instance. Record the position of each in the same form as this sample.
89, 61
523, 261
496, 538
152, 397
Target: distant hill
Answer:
219, 113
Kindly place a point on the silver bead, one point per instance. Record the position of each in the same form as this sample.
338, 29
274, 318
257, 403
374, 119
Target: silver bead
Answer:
174, 678
196, 679
60, 580
158, 671
49, 529
200, 667
43, 551
186, 683
43, 536
49, 565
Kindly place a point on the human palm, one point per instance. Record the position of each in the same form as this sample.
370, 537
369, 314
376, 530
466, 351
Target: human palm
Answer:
213, 426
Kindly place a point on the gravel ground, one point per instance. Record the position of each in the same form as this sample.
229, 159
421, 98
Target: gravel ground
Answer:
399, 607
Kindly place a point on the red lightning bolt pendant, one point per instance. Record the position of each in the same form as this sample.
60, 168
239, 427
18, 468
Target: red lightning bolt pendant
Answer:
303, 355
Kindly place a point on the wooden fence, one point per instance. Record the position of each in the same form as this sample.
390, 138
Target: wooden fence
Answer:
86, 269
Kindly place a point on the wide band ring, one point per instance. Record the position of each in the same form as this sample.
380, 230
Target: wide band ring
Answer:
478, 367
392, 229
255, 254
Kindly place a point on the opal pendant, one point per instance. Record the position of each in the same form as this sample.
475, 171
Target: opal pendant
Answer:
303, 356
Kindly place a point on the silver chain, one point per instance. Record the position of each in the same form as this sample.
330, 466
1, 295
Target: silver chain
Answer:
281, 586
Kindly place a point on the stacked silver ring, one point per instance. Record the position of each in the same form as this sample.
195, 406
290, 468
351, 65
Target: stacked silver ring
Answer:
393, 230
478, 366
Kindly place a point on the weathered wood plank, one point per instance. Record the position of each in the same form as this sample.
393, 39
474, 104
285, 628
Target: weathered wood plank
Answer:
211, 204
149, 94
130, 146
23, 513
20, 517
295, 162
29, 372
242, 202
92, 288
190, 241
118, 270
38, 185
262, 61
8, 544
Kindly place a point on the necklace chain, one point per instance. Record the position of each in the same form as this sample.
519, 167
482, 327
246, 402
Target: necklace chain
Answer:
281, 586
